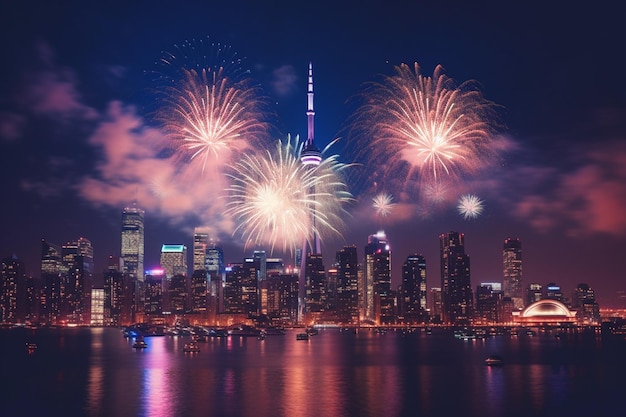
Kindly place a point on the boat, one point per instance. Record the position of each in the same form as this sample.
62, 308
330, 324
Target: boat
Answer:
191, 347
494, 360
312, 331
140, 343
302, 336
31, 347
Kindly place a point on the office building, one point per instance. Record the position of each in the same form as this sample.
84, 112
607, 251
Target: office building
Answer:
456, 287
414, 291
512, 271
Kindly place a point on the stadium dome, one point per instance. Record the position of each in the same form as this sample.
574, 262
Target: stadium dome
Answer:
544, 311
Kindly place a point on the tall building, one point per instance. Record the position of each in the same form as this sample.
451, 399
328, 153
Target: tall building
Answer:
534, 293
489, 297
414, 289
50, 301
201, 243
512, 271
315, 304
456, 289
436, 305
77, 277
174, 260
347, 285
133, 242
97, 307
12, 290
311, 157
379, 302
584, 302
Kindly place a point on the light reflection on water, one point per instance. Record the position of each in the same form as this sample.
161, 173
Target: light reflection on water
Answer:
96, 372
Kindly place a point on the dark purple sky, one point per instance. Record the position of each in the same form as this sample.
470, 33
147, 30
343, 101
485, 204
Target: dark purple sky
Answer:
75, 122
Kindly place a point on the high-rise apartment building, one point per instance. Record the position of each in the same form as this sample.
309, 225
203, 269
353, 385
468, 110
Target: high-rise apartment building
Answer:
133, 242
414, 289
456, 289
12, 290
379, 301
50, 301
512, 271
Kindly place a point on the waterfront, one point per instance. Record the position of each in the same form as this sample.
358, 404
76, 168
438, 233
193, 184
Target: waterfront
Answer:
96, 372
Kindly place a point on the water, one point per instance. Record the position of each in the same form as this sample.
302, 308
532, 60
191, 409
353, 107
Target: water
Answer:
96, 372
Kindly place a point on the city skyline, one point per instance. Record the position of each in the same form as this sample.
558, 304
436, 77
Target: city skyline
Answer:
77, 125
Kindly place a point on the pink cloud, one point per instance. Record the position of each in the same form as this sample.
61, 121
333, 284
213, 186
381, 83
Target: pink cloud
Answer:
131, 169
11, 126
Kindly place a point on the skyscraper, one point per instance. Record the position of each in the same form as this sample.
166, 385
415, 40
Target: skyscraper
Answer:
512, 271
77, 270
174, 260
310, 157
456, 289
133, 242
50, 303
379, 300
200, 245
347, 285
414, 289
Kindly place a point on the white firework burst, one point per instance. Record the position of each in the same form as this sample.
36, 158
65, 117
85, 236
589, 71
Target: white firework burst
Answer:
383, 204
470, 206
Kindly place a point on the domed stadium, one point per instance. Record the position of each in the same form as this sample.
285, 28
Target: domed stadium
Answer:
545, 311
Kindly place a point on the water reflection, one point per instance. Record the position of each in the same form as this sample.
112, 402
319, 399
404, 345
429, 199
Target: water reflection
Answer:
157, 390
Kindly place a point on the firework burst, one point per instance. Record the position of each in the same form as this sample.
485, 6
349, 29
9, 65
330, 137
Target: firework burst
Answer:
383, 204
470, 206
211, 110
424, 129
280, 202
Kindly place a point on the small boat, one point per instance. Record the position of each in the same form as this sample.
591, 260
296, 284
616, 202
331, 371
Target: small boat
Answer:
494, 360
312, 331
191, 347
31, 347
302, 336
140, 343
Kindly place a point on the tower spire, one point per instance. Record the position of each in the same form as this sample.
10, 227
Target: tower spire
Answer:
310, 113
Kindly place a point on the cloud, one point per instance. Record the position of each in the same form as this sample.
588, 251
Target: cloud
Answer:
52, 90
132, 168
589, 198
11, 126
285, 81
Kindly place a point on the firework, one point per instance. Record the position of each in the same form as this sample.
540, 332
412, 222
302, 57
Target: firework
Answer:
280, 202
210, 110
424, 129
383, 204
470, 206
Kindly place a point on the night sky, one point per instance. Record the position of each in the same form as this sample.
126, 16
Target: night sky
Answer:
77, 103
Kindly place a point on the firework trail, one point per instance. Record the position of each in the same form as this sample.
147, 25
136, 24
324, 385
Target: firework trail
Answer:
383, 204
470, 206
211, 110
272, 200
423, 130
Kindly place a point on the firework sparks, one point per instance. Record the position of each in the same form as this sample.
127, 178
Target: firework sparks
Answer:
425, 127
383, 204
211, 111
280, 202
470, 206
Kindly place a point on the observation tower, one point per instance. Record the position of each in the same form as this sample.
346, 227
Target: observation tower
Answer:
311, 157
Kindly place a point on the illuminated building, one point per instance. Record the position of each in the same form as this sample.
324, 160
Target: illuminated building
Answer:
488, 301
379, 300
347, 285
512, 271
12, 286
233, 289
77, 275
315, 286
534, 293
200, 245
50, 302
174, 260
154, 303
118, 294
436, 305
584, 302
456, 287
250, 286
282, 298
414, 308
133, 241
553, 292
97, 307
547, 311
